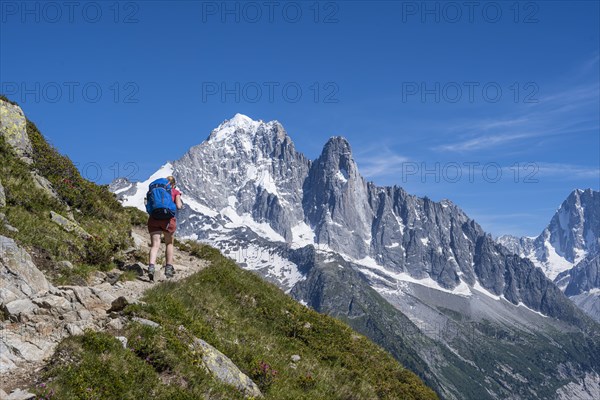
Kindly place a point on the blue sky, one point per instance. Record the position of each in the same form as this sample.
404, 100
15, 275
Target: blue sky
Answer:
494, 106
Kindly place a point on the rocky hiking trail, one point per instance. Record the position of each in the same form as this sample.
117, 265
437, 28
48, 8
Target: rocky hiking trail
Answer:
38, 315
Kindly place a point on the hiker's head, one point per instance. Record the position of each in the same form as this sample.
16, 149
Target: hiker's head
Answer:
172, 181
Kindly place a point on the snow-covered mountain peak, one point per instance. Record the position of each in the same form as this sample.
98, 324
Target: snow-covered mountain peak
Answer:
241, 118
243, 133
572, 234
238, 124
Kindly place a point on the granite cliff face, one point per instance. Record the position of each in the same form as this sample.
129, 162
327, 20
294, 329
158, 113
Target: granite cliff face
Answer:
250, 193
335, 201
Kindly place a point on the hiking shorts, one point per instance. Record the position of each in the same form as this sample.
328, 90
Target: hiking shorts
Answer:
162, 225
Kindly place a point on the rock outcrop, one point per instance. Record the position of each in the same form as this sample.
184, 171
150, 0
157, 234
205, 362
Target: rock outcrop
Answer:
38, 315
13, 127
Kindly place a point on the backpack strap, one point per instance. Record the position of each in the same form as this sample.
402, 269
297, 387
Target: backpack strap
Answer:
165, 186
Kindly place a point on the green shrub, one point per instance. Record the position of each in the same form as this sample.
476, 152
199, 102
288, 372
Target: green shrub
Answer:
136, 216
96, 366
128, 276
263, 375
197, 249
98, 251
3, 97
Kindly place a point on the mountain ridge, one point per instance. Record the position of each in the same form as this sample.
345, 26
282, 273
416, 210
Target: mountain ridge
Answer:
343, 213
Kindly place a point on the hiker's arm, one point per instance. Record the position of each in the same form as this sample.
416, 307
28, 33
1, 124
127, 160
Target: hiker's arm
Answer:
178, 202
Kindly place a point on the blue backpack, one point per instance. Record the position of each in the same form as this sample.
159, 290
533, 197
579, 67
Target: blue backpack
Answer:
159, 201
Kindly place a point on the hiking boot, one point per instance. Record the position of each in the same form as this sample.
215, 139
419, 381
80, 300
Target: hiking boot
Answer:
151, 272
169, 271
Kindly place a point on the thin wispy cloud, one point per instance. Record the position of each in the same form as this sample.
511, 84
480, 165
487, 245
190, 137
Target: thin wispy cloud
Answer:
562, 112
577, 95
482, 142
494, 124
591, 66
570, 171
378, 162
522, 129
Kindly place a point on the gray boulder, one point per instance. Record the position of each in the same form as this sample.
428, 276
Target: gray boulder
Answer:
20, 394
138, 268
146, 322
20, 277
18, 310
118, 304
44, 184
68, 225
58, 305
65, 264
223, 369
123, 340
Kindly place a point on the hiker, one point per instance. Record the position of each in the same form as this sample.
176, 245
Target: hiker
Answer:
162, 202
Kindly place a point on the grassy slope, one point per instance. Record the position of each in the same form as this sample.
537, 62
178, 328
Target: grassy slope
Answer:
249, 320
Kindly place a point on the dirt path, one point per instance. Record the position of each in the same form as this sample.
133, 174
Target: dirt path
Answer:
184, 264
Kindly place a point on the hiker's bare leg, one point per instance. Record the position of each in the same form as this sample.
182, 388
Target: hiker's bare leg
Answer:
155, 238
169, 243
